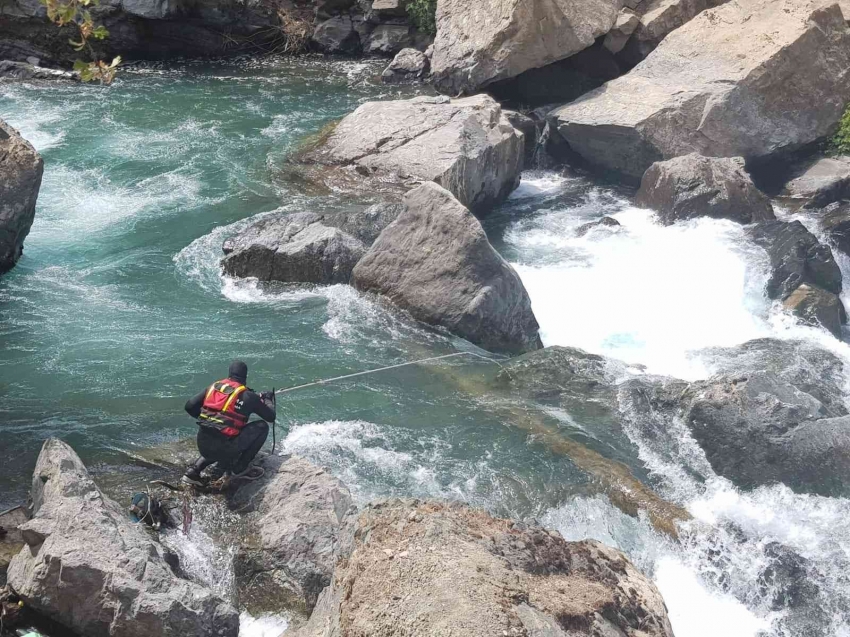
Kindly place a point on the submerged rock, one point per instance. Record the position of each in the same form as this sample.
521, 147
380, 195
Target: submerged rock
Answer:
409, 65
306, 247
435, 261
481, 42
467, 146
751, 78
821, 182
88, 567
300, 518
694, 186
21, 169
436, 569
604, 222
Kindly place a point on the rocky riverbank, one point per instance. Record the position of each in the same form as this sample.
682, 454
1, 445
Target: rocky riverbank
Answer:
427, 568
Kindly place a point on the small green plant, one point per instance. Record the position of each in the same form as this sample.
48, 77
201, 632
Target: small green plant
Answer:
423, 14
839, 143
77, 12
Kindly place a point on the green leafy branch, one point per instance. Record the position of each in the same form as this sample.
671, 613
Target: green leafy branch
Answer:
77, 12
423, 14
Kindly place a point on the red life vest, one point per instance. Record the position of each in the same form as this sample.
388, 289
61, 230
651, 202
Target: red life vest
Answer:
219, 409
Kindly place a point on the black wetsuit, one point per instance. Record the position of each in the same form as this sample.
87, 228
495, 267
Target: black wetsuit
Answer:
233, 454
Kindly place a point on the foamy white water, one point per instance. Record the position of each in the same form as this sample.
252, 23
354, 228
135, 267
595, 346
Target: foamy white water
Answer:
267, 625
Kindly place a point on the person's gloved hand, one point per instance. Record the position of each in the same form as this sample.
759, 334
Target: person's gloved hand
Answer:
267, 396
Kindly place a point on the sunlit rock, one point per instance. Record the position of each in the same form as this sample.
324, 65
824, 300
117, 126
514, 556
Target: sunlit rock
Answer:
435, 261
423, 568
88, 567
751, 78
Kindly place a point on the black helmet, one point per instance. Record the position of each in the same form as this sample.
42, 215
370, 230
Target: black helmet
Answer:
238, 371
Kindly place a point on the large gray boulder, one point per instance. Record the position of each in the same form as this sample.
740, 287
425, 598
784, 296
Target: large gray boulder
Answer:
467, 146
751, 78
300, 521
774, 412
88, 567
306, 247
481, 42
427, 568
436, 262
21, 168
694, 186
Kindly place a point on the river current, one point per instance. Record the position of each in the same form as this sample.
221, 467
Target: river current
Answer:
118, 312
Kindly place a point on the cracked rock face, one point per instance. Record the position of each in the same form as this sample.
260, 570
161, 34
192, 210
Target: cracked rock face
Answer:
425, 568
468, 146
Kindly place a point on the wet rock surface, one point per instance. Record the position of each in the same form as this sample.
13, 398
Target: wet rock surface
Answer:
797, 258
88, 567
479, 43
817, 307
424, 568
300, 518
466, 145
752, 78
773, 412
306, 247
435, 262
693, 186
21, 169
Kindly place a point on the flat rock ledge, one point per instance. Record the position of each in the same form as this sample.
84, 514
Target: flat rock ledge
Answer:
468, 146
88, 567
428, 568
